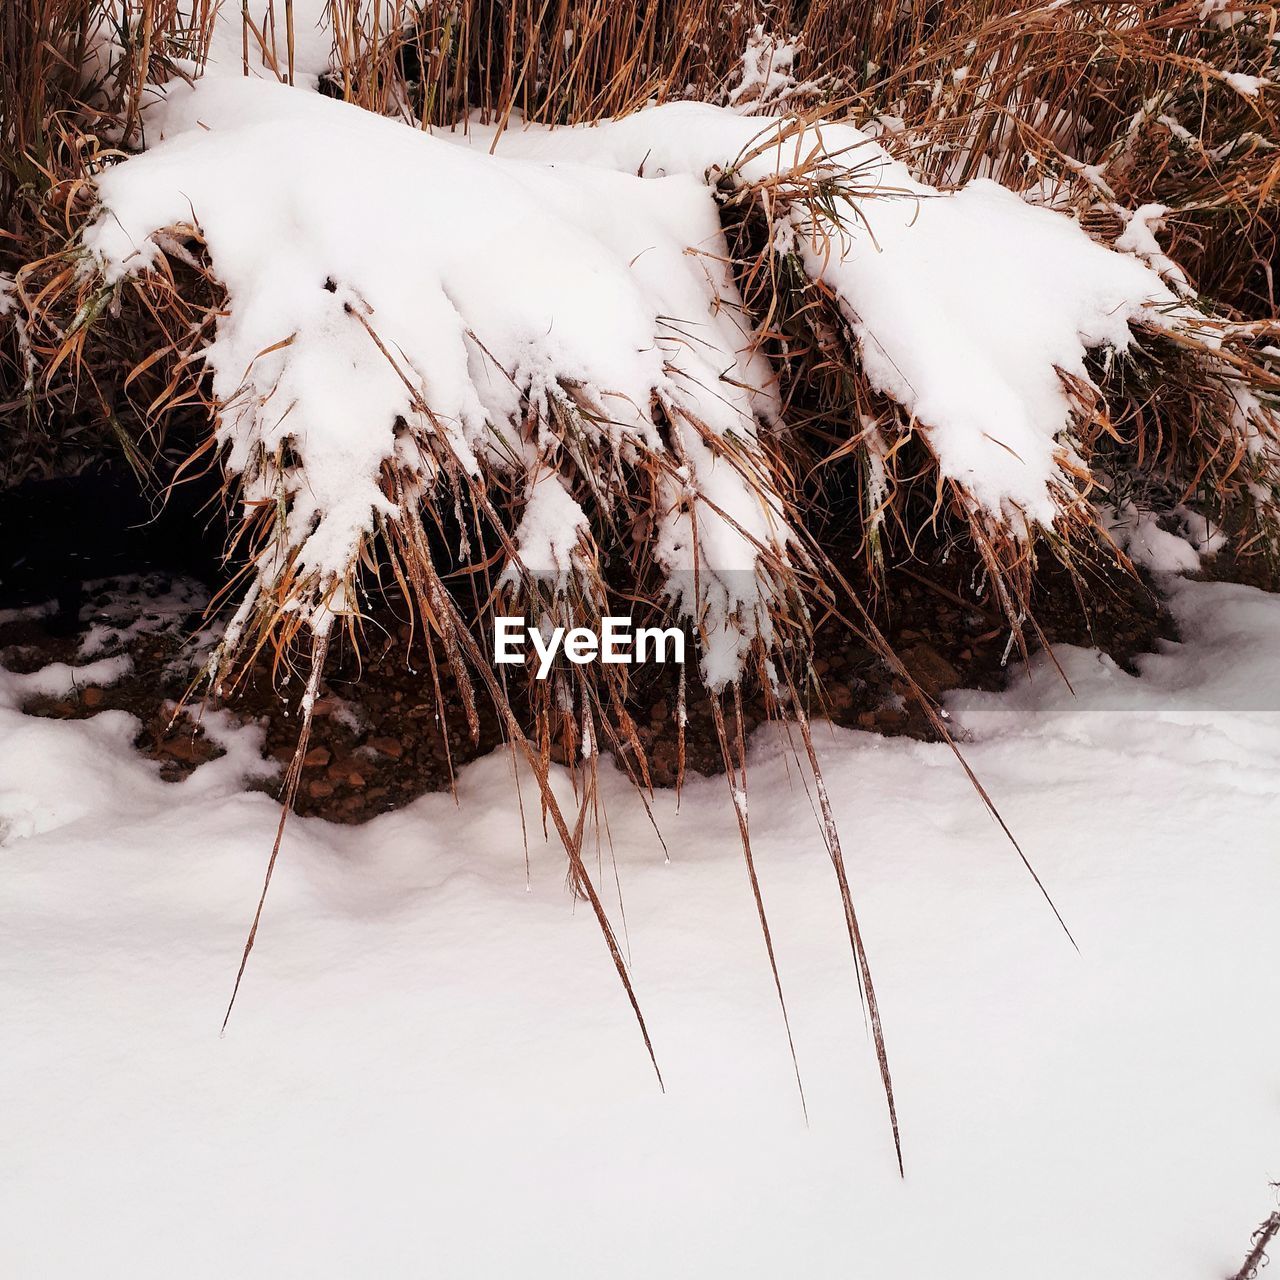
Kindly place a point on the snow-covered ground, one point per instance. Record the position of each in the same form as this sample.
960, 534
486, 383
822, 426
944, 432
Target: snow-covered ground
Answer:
432, 1071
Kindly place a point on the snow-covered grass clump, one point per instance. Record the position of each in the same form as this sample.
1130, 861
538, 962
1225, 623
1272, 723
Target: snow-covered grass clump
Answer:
530, 355
547, 324
403, 313
966, 307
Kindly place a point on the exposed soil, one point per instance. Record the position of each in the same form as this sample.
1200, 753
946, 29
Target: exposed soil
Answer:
377, 743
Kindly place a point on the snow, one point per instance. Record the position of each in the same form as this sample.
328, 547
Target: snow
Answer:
1172, 543
10, 310
432, 1068
1222, 13
1246, 86
766, 75
965, 305
145, 605
548, 533
972, 341
1139, 238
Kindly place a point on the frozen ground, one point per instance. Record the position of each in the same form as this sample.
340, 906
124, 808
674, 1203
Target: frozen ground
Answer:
432, 1072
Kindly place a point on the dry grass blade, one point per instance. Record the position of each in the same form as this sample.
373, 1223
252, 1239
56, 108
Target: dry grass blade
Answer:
735, 774
319, 648
831, 835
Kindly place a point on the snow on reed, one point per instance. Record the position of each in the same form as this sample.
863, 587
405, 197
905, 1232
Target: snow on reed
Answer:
396, 299
392, 298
